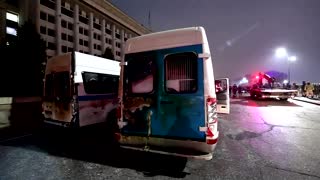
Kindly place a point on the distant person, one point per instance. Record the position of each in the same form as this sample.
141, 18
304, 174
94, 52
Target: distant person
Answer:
303, 91
239, 90
309, 88
234, 90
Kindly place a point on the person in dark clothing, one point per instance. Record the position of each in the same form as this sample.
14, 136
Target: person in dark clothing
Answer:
239, 90
303, 91
234, 90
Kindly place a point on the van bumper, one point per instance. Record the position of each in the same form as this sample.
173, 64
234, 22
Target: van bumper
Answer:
54, 123
181, 148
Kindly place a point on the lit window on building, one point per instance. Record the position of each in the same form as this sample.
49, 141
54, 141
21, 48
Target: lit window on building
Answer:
12, 17
11, 31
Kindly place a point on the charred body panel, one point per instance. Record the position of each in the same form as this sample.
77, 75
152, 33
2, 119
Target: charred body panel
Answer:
80, 90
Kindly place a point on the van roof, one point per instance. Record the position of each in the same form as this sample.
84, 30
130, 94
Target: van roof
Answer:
166, 39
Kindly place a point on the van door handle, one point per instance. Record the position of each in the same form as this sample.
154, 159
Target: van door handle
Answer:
166, 102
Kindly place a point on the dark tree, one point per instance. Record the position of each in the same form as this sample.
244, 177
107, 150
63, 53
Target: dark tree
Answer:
108, 54
23, 63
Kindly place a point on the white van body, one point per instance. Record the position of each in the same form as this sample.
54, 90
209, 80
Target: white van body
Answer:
79, 89
167, 94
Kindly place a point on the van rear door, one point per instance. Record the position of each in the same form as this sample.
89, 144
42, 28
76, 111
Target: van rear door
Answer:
181, 100
223, 98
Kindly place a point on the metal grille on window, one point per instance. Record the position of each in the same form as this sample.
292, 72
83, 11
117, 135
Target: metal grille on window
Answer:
181, 73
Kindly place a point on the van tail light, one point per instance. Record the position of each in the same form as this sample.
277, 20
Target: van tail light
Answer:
209, 132
211, 101
212, 121
212, 141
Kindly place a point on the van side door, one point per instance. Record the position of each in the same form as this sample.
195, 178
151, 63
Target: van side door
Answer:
181, 98
223, 97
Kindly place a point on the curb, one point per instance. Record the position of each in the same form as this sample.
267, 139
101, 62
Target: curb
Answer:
315, 103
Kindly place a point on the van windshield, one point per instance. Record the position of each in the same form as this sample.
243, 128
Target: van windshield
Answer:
139, 74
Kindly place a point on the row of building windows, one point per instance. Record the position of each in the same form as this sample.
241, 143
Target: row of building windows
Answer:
67, 10
67, 25
47, 31
96, 36
83, 31
47, 17
65, 49
97, 46
109, 41
83, 43
66, 37
12, 23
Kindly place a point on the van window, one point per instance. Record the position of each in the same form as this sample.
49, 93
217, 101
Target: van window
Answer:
57, 85
181, 73
62, 84
96, 83
140, 74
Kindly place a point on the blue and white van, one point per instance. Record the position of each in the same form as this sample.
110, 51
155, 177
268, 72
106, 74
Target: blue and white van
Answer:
79, 89
167, 94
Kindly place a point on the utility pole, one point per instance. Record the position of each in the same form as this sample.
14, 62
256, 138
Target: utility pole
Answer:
149, 20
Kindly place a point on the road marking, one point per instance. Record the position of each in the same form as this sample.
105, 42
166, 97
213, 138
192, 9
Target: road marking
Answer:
14, 138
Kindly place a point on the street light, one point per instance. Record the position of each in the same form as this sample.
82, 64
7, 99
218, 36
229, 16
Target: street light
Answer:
281, 52
292, 58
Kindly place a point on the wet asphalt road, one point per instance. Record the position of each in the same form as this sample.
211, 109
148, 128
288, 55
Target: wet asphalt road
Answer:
258, 140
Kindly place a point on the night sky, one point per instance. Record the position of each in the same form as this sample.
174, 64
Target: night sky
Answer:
243, 34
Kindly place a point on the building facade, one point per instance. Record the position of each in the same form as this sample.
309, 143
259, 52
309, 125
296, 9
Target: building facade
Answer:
88, 26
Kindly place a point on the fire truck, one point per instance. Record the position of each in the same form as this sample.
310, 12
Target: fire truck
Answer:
266, 87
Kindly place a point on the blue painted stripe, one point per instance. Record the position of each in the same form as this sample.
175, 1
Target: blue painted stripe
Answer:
96, 97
